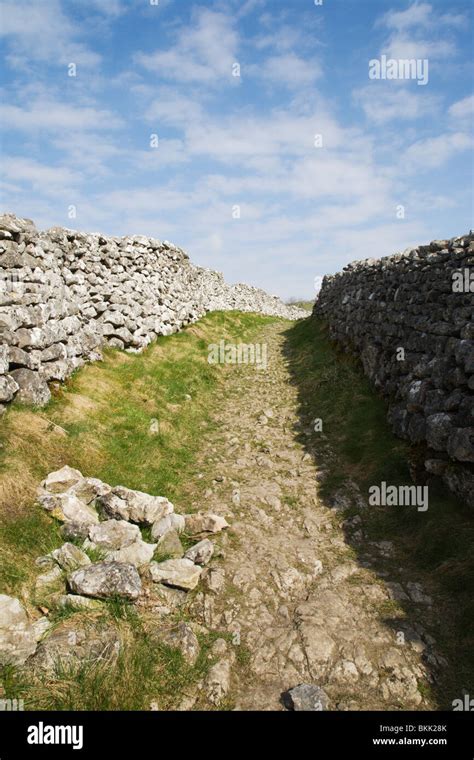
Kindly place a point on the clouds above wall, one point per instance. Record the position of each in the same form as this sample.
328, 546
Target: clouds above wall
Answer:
181, 113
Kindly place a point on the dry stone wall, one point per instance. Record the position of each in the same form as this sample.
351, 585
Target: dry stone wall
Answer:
410, 319
64, 294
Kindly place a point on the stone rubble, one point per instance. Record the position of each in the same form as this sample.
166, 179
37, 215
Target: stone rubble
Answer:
105, 520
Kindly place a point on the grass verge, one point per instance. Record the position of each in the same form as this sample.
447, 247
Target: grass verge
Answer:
134, 420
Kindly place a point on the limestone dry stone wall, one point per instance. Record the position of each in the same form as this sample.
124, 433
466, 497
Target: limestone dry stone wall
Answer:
64, 294
410, 319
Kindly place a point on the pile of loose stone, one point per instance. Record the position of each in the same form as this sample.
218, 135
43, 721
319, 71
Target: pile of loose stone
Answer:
64, 294
106, 522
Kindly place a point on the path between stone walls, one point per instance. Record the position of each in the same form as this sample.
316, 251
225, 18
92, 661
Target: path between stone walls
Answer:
287, 585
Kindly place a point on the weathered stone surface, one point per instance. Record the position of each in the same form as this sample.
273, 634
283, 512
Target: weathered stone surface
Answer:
61, 480
165, 524
214, 579
182, 637
41, 627
138, 554
66, 507
4, 358
17, 635
77, 602
200, 523
136, 506
104, 580
15, 224
49, 585
409, 319
201, 552
218, 680
74, 531
70, 557
112, 534
306, 697
32, 389
8, 388
179, 573
71, 645
170, 545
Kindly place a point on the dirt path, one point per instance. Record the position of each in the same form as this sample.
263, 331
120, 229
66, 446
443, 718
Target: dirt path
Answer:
288, 583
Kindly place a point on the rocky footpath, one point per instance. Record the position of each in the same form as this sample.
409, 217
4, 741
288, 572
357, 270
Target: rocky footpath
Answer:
64, 294
322, 629
309, 613
410, 319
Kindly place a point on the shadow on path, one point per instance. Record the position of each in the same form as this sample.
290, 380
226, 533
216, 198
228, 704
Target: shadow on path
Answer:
428, 555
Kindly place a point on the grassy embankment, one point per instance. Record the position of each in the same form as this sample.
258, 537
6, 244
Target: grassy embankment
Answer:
99, 422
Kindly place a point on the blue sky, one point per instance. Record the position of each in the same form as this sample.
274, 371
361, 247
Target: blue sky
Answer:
307, 205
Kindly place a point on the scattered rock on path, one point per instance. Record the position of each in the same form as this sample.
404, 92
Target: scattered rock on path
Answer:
306, 697
200, 523
183, 638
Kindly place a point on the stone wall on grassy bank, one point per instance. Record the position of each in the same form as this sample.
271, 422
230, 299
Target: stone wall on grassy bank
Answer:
410, 319
64, 294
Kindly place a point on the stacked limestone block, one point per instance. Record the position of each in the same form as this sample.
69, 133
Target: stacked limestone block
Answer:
64, 294
410, 318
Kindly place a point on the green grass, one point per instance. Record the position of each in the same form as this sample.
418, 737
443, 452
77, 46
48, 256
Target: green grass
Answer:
106, 409
145, 670
23, 538
102, 419
435, 547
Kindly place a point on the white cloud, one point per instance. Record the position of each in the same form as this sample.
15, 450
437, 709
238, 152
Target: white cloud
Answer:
383, 103
40, 31
55, 116
420, 31
462, 109
45, 178
289, 70
419, 15
435, 151
109, 8
204, 52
